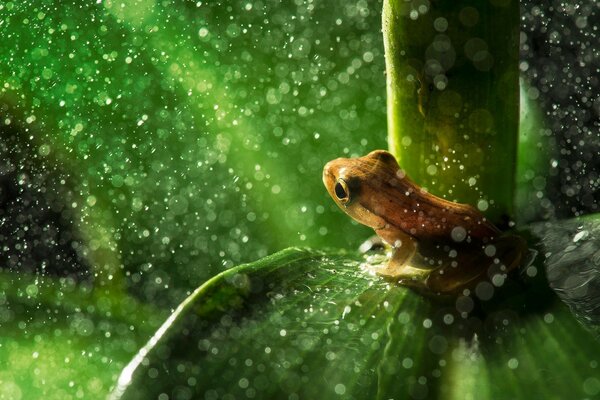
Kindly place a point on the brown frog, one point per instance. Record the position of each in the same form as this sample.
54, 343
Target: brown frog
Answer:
438, 245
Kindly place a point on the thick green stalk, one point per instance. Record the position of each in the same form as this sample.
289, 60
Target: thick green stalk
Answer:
453, 98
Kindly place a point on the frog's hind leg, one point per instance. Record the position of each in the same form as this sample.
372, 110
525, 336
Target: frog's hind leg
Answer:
470, 267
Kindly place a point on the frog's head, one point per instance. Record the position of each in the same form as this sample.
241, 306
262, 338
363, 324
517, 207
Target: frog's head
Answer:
355, 184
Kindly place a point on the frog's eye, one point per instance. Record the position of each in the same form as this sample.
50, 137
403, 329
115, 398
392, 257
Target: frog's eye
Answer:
341, 191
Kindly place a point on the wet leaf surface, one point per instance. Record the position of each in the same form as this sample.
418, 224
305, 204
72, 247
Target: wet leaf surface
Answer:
304, 324
572, 251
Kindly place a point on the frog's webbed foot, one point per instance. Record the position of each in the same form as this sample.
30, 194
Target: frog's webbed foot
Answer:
374, 243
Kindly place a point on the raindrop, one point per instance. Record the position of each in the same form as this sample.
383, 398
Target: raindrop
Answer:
458, 234
484, 291
340, 389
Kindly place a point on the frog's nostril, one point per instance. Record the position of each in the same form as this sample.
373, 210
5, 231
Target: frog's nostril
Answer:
328, 171
327, 175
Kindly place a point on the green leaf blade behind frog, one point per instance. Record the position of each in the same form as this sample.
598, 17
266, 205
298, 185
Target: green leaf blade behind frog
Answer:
453, 120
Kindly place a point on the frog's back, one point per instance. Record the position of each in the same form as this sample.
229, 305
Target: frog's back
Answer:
402, 203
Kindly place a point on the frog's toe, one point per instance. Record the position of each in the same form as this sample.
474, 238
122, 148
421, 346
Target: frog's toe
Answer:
402, 274
374, 243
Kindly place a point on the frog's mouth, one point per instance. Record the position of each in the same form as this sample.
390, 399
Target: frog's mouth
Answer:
367, 217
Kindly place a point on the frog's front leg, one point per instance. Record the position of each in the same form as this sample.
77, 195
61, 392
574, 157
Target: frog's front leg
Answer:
404, 262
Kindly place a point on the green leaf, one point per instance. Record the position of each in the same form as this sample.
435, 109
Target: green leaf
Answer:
306, 324
572, 254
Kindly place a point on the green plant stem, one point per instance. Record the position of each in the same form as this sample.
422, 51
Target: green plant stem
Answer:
453, 98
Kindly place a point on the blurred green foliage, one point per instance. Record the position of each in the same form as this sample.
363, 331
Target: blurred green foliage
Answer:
195, 132
176, 140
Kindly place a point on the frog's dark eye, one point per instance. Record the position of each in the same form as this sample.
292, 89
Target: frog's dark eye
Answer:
341, 191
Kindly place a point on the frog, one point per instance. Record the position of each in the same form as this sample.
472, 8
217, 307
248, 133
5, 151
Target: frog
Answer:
436, 245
